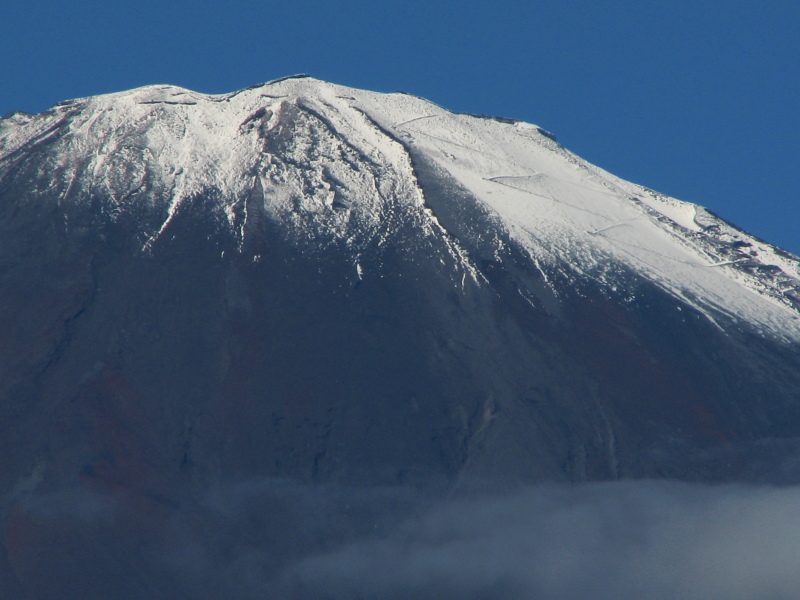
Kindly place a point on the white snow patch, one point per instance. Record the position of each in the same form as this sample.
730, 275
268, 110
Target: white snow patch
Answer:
562, 209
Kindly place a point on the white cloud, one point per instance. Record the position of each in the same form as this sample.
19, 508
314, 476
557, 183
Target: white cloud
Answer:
615, 541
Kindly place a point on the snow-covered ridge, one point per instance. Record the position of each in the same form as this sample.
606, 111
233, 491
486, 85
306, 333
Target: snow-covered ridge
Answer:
328, 160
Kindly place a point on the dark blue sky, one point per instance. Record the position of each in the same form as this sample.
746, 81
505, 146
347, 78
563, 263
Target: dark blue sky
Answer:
700, 100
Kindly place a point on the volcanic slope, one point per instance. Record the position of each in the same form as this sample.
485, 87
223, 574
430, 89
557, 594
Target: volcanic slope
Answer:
306, 282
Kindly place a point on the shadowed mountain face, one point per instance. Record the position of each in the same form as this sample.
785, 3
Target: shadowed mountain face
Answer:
212, 306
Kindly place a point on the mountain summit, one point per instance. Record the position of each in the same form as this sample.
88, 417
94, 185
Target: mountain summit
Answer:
329, 161
302, 282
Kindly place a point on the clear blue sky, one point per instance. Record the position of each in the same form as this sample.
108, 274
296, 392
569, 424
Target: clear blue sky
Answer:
700, 100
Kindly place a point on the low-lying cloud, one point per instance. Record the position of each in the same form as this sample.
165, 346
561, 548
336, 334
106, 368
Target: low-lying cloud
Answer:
616, 541
270, 539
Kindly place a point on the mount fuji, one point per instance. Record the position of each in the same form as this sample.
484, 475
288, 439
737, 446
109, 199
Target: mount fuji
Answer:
219, 300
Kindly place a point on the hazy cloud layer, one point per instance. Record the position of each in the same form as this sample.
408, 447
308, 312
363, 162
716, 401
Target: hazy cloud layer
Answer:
274, 539
615, 541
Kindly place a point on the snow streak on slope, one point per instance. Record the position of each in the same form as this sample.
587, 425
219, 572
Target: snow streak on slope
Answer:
332, 164
564, 209
310, 160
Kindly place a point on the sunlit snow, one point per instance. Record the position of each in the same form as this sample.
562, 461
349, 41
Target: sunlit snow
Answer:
560, 208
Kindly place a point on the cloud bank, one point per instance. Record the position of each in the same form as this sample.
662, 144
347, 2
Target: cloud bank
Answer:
601, 541
276, 539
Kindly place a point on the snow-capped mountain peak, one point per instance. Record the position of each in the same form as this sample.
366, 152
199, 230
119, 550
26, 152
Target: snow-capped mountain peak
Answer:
209, 302
337, 163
